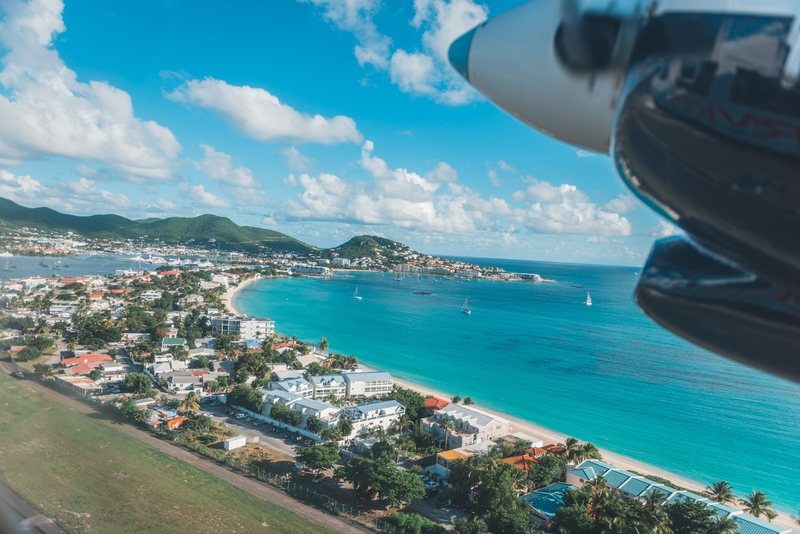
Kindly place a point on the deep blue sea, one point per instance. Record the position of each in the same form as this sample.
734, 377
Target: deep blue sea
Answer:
605, 373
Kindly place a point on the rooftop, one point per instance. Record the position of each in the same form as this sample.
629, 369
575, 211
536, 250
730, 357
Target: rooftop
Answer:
548, 500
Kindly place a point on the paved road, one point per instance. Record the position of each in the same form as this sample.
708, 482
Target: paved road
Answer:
252, 485
250, 430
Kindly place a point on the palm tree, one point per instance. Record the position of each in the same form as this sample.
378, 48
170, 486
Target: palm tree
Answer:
189, 403
720, 491
725, 525
571, 449
656, 517
589, 450
447, 425
323, 344
142, 415
757, 504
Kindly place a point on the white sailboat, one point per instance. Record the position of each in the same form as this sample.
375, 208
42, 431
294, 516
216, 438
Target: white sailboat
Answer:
465, 307
7, 267
355, 295
588, 299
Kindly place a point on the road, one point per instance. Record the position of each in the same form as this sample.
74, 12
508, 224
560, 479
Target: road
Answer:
248, 429
17, 516
247, 483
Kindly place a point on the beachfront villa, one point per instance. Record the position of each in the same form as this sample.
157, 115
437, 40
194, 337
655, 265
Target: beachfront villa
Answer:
471, 426
368, 417
246, 327
444, 459
367, 384
298, 386
325, 412
633, 486
327, 385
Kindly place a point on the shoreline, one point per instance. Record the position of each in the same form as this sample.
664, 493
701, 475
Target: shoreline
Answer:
228, 296
546, 434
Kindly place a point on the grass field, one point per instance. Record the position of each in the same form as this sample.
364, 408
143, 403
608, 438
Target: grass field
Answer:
93, 478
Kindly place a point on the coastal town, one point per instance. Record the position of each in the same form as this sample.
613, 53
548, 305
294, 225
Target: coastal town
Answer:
163, 348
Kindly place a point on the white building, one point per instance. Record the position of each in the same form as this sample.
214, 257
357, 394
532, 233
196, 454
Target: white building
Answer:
341, 262
325, 412
298, 386
246, 327
368, 417
368, 384
471, 425
326, 385
305, 268
151, 294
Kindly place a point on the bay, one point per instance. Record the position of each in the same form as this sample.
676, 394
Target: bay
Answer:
604, 373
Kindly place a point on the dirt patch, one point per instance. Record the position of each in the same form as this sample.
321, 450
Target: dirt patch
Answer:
121, 475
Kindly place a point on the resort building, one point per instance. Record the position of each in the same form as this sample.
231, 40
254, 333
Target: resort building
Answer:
545, 502
633, 486
368, 417
306, 268
325, 412
326, 385
246, 327
341, 262
471, 426
361, 385
298, 386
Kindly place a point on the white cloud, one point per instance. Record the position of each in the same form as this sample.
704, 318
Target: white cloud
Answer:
205, 198
663, 229
565, 209
506, 167
425, 72
356, 16
296, 160
46, 112
219, 166
262, 116
496, 181
398, 198
622, 204
586, 154
81, 196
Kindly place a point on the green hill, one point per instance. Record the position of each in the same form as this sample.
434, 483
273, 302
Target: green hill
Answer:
366, 245
227, 234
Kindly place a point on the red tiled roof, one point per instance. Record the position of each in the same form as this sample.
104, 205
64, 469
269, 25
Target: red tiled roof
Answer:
435, 403
86, 358
170, 273
82, 368
522, 462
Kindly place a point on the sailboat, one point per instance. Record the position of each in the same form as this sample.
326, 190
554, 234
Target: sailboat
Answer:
7, 268
465, 307
588, 299
397, 278
355, 295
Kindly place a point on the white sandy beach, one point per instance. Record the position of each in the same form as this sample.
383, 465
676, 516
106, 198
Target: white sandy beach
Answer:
547, 435
227, 297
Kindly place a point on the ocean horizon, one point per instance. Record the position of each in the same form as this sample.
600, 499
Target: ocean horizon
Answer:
533, 351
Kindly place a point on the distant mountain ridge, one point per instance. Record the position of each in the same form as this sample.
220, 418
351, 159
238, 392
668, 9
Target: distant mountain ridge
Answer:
227, 233
364, 246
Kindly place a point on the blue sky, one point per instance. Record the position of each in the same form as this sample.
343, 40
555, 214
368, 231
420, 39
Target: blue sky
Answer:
322, 119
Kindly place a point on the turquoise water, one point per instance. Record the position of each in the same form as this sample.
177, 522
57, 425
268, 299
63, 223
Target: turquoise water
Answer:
535, 352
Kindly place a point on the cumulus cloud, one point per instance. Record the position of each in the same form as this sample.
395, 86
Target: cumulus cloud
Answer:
622, 204
423, 72
81, 196
296, 160
219, 166
565, 209
46, 112
663, 229
260, 115
397, 197
506, 167
200, 195
356, 16
496, 181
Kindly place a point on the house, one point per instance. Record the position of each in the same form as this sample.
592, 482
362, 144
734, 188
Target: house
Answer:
113, 372
223, 367
327, 385
368, 417
633, 486
471, 425
545, 502
89, 358
446, 458
367, 384
246, 327
171, 342
151, 295
298, 386
79, 384
325, 412
435, 404
190, 301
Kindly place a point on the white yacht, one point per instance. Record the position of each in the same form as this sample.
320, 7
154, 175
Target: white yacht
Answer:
588, 299
355, 295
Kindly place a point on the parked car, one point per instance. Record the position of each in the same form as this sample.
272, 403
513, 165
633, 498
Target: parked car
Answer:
257, 422
239, 415
319, 478
273, 429
18, 375
424, 478
431, 485
248, 418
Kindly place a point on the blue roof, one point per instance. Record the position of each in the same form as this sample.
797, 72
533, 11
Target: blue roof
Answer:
636, 486
751, 525
547, 501
586, 473
599, 467
666, 490
617, 478
723, 510
689, 496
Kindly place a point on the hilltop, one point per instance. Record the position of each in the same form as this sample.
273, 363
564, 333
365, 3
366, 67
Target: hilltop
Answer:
225, 232
367, 246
